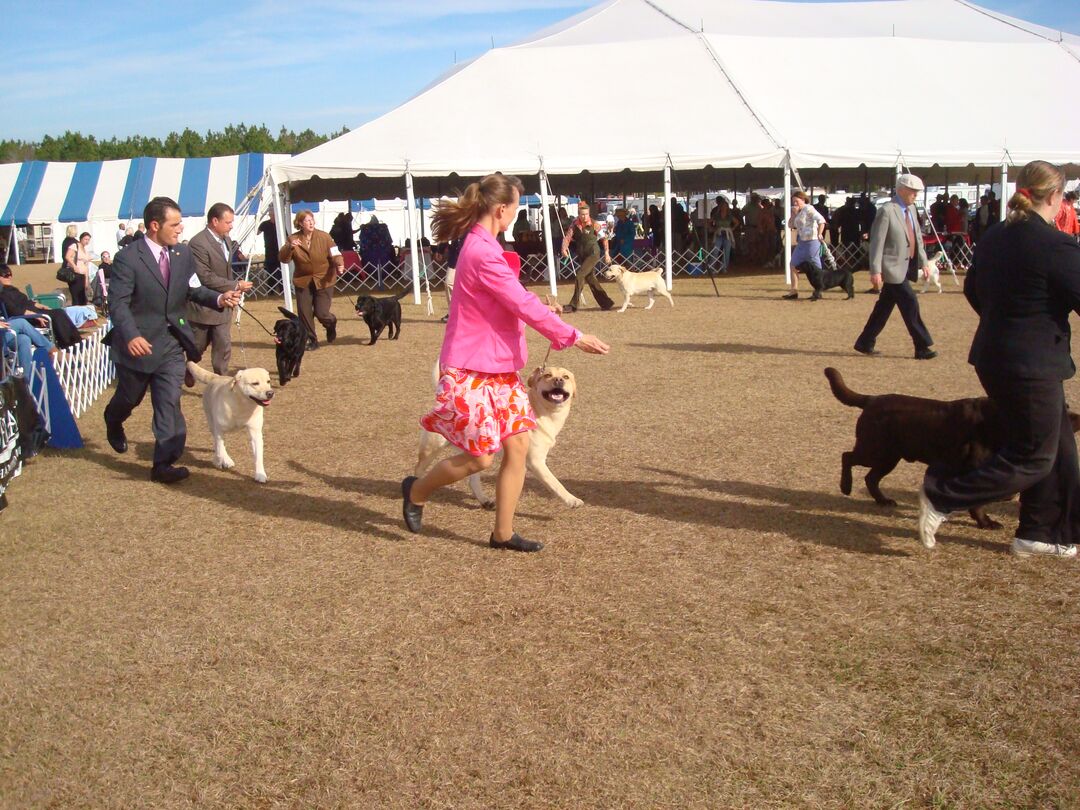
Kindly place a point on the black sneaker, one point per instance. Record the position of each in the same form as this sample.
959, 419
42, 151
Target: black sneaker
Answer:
515, 543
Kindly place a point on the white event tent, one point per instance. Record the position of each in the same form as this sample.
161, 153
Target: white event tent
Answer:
630, 89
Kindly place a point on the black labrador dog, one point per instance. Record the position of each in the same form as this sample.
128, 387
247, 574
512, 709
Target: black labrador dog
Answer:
830, 275
380, 314
291, 339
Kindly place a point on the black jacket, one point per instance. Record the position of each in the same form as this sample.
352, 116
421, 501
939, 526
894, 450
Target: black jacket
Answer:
1024, 282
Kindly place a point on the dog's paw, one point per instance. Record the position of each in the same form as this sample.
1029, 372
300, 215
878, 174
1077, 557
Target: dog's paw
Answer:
260, 477
489, 505
573, 502
224, 463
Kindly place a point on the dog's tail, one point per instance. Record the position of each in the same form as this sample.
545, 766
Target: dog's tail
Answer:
202, 375
287, 314
842, 392
403, 293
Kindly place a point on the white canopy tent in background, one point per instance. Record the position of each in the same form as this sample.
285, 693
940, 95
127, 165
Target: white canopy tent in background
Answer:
728, 87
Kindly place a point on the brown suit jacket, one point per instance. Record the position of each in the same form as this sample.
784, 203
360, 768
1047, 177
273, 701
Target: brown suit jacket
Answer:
213, 272
314, 263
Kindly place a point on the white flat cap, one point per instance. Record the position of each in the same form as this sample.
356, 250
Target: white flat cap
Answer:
912, 181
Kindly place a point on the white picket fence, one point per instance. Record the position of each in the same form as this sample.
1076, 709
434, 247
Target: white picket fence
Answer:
85, 370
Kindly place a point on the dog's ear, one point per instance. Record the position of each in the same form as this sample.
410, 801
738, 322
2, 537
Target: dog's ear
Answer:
534, 378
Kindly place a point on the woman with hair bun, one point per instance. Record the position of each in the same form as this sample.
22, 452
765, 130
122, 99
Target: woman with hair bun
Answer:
1024, 283
481, 405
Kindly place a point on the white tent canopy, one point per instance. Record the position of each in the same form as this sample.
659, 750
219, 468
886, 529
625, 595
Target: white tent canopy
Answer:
726, 84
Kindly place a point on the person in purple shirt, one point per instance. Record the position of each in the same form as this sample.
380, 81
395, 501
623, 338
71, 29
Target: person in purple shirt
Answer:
481, 405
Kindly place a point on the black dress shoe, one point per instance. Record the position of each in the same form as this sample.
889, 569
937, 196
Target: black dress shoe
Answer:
331, 332
569, 308
515, 543
791, 296
116, 436
925, 354
168, 474
413, 514
866, 351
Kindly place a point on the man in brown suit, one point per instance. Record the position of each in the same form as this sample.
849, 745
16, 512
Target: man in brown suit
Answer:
211, 249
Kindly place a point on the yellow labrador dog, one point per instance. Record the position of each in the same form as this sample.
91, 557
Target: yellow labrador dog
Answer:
232, 403
551, 391
650, 281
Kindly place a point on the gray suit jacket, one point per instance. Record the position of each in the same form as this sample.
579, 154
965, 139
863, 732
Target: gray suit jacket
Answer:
889, 244
213, 271
140, 306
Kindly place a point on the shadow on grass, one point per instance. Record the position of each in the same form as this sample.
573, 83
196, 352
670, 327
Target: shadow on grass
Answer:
793, 512
453, 495
278, 499
738, 348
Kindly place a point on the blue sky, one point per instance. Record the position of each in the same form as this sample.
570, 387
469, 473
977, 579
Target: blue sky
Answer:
106, 68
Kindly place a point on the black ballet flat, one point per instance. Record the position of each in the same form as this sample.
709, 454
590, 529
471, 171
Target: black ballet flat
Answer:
413, 514
515, 543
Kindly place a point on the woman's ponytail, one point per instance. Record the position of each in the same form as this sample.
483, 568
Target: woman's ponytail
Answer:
455, 218
1035, 184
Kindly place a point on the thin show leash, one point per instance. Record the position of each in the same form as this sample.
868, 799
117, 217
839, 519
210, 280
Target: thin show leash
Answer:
240, 333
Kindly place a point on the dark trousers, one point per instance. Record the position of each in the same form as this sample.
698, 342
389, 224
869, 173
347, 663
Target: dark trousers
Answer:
170, 431
219, 338
903, 297
585, 276
77, 288
1038, 460
312, 304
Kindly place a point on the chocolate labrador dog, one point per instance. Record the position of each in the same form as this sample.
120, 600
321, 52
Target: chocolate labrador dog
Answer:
957, 435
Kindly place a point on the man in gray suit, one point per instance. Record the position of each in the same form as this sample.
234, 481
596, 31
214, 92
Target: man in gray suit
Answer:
211, 248
896, 255
150, 339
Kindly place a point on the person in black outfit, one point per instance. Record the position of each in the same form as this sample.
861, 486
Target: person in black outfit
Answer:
1024, 283
342, 232
14, 302
271, 262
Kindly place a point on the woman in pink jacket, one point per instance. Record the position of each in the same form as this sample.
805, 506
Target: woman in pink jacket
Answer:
480, 403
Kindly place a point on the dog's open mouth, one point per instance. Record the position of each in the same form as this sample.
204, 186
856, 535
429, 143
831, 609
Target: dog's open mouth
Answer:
556, 395
262, 402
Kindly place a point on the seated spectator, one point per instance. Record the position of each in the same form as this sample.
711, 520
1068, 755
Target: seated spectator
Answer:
20, 336
376, 244
521, 224
14, 303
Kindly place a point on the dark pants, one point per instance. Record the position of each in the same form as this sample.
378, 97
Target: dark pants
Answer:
170, 431
218, 336
1038, 460
585, 276
77, 288
903, 297
312, 304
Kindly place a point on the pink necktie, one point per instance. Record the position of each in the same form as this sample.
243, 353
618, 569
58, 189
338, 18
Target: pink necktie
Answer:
163, 265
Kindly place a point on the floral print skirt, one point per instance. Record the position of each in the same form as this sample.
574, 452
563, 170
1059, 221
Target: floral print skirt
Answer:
476, 412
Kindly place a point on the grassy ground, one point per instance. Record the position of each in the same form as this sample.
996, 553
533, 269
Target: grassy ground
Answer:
717, 627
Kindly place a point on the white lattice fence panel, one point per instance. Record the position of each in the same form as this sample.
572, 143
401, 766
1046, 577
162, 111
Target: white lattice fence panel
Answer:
85, 371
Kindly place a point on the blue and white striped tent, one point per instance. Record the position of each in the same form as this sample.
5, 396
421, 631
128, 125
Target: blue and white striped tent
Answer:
97, 195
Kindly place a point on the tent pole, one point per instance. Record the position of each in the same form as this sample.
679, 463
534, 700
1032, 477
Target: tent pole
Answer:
15, 240
667, 222
787, 218
413, 241
548, 247
280, 208
1004, 190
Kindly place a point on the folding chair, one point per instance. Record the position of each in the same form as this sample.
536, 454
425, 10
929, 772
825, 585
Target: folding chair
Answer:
46, 330
53, 300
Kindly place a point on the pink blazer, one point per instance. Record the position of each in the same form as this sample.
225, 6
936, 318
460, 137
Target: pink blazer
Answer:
489, 310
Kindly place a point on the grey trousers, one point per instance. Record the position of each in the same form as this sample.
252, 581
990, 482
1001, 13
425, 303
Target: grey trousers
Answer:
219, 337
170, 430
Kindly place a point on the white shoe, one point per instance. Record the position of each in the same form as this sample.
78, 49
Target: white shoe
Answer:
1031, 548
930, 519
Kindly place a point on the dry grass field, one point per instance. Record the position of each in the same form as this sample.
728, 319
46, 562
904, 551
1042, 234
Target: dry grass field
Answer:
717, 627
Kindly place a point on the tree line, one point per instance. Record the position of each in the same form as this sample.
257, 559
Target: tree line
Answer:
233, 140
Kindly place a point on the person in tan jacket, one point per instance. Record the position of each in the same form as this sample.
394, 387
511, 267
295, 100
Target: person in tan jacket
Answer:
317, 262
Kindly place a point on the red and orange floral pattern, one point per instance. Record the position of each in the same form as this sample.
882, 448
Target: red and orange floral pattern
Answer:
476, 412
